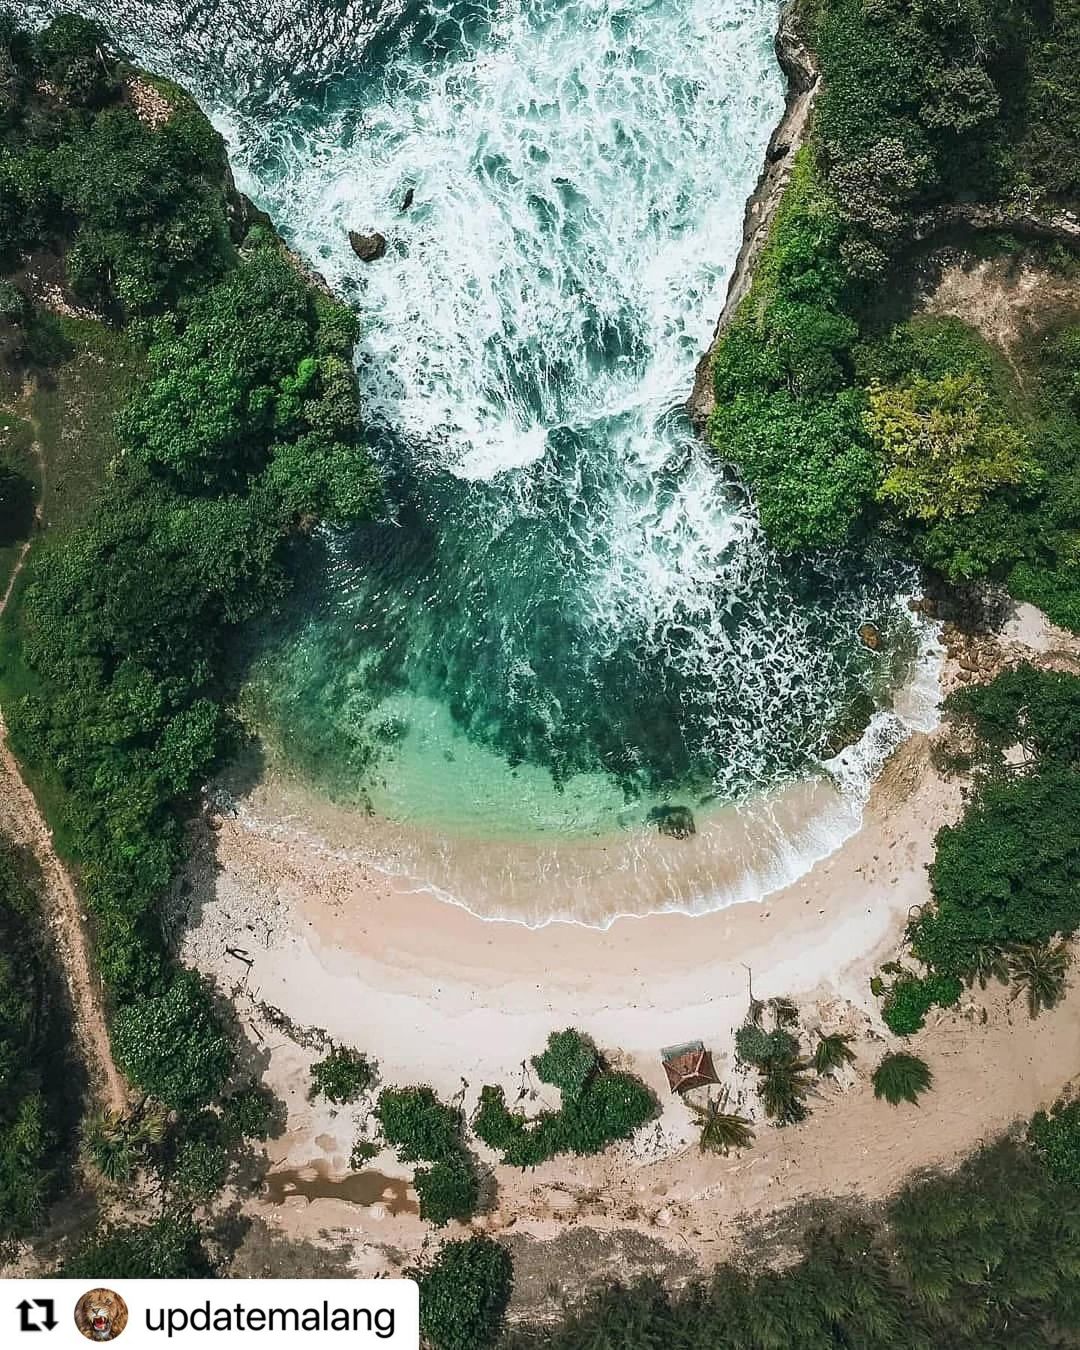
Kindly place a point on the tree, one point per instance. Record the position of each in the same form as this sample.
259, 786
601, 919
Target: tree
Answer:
783, 1083
1055, 1137
342, 1076
901, 1077
1040, 974
721, 1130
832, 1052
944, 447
172, 1044
117, 1143
464, 1293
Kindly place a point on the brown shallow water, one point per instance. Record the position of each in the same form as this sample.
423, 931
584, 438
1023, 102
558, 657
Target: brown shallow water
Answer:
314, 1182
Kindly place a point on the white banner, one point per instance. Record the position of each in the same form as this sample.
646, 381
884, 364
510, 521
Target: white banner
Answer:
138, 1314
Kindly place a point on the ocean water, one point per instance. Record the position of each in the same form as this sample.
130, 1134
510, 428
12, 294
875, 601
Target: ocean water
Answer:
568, 618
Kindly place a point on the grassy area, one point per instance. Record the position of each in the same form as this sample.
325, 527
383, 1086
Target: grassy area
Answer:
74, 416
16, 452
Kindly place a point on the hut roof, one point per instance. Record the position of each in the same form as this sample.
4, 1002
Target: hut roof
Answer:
688, 1066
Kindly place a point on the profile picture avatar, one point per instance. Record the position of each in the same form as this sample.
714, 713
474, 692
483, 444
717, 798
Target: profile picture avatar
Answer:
101, 1315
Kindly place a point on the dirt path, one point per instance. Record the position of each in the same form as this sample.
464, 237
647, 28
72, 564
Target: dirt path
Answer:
22, 821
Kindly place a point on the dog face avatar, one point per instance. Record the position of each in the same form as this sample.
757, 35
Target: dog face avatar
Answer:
101, 1315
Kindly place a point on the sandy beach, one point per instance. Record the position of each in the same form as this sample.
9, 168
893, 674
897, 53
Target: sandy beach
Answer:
288, 919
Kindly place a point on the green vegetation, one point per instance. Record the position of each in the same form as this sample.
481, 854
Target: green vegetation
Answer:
32, 1069
1040, 974
424, 1129
831, 1053
981, 1259
463, 1294
1007, 875
783, 1072
193, 435
902, 1078
910, 998
170, 1248
1055, 1137
599, 1106
342, 1076
845, 422
721, 1130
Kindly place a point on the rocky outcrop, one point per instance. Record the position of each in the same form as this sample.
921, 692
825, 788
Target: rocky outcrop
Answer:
798, 66
675, 821
368, 247
1027, 221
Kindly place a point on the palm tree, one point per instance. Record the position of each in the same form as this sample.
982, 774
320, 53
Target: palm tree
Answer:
110, 1146
721, 1130
901, 1077
116, 1143
985, 964
832, 1052
1040, 973
782, 1086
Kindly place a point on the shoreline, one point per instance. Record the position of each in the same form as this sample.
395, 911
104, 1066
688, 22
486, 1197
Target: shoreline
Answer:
802, 84
299, 937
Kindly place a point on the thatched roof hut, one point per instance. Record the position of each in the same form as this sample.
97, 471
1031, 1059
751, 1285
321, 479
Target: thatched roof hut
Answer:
688, 1066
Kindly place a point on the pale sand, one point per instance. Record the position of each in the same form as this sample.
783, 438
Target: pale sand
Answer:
439, 996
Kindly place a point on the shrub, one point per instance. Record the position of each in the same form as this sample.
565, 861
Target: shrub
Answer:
418, 1125
610, 1107
902, 1078
568, 1063
832, 1052
251, 1113
342, 1076
910, 999
447, 1190
464, 1293
172, 1046
755, 1046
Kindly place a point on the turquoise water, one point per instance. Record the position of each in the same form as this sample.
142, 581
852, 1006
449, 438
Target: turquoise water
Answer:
568, 615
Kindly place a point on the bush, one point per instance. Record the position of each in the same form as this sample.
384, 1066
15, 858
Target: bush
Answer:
342, 1076
464, 1293
910, 999
172, 1046
449, 1189
902, 1078
568, 1063
610, 1107
418, 1125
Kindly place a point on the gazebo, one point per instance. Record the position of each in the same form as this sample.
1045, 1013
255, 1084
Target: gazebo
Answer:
688, 1066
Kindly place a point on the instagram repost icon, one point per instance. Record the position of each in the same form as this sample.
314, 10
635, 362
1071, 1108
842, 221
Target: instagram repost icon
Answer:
101, 1315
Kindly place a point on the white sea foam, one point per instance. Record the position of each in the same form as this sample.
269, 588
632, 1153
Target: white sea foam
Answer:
579, 172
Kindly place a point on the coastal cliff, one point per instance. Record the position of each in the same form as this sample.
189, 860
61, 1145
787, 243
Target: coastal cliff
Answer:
800, 70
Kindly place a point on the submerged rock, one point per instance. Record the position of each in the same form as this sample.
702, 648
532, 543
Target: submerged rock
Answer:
676, 821
368, 247
870, 636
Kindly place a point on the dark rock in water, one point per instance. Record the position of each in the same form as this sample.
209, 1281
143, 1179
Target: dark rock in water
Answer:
676, 821
870, 636
368, 247
850, 725
408, 199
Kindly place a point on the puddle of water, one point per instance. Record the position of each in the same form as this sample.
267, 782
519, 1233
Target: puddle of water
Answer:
314, 1182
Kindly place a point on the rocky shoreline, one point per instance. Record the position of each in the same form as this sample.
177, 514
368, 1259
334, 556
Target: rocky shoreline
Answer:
798, 66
